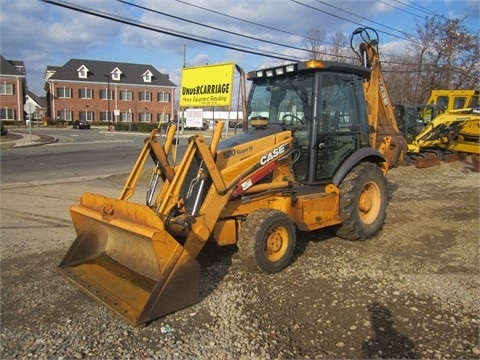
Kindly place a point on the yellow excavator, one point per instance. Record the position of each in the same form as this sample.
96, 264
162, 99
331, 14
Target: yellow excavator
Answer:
446, 127
314, 155
449, 136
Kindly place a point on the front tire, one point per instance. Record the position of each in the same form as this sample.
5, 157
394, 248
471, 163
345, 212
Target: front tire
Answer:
363, 202
268, 238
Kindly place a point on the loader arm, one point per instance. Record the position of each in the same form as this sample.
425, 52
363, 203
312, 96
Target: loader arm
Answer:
220, 185
162, 168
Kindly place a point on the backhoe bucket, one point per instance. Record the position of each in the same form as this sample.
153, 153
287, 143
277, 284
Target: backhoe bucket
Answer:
124, 258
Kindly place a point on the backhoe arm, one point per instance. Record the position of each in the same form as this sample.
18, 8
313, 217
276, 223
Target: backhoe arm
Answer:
385, 137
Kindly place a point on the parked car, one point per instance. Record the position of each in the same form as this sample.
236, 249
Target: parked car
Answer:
235, 124
81, 124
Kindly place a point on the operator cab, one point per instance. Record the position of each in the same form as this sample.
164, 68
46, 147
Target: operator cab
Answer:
322, 103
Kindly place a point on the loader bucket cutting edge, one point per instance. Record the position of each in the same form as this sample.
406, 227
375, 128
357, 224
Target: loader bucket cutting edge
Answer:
138, 271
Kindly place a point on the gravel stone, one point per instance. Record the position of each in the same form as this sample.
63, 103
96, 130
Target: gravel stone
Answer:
409, 292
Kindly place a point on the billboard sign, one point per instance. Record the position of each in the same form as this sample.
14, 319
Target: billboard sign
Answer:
209, 85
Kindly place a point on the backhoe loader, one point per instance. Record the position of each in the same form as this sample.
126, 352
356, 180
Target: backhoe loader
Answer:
308, 160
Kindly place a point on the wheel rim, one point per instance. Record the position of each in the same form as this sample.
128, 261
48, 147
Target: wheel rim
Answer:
276, 243
369, 202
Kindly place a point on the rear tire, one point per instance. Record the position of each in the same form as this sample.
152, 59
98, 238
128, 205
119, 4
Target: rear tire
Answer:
267, 238
363, 202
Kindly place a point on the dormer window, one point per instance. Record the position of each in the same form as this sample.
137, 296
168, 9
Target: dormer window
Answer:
116, 74
147, 76
82, 72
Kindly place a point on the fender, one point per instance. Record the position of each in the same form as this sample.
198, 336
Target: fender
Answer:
363, 154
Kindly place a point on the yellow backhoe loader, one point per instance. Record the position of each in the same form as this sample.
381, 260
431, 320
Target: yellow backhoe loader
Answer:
311, 157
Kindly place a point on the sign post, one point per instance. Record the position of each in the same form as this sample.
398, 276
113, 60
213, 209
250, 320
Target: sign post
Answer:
29, 108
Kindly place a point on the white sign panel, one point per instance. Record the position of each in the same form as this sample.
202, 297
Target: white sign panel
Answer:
194, 118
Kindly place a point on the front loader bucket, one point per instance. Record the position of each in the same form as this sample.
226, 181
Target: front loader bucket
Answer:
124, 258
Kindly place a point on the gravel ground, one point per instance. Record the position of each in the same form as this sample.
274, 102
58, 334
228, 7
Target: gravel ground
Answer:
410, 292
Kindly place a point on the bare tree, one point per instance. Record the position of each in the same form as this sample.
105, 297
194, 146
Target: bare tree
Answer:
316, 37
447, 56
339, 48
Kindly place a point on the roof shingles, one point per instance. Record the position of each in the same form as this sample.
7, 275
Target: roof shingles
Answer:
98, 70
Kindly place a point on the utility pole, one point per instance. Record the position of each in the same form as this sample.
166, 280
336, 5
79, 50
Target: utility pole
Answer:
108, 100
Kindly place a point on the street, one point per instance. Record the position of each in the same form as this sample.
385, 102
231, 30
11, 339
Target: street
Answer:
76, 154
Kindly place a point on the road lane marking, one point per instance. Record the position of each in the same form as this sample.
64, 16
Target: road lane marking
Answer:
89, 142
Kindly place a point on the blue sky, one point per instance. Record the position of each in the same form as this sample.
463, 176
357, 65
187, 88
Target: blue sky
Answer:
42, 34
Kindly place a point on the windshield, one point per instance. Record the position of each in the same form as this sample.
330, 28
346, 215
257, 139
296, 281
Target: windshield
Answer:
287, 101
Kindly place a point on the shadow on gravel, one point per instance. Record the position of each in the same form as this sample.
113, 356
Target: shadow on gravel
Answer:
392, 187
387, 343
306, 237
215, 262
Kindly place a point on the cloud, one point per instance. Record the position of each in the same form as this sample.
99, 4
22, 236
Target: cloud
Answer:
42, 34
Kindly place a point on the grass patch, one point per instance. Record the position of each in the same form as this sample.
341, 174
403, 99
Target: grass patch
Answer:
6, 141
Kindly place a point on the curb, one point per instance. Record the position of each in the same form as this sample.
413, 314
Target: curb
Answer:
49, 140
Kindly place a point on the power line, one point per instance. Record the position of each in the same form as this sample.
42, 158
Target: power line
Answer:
425, 11
414, 6
363, 18
212, 27
240, 19
271, 28
182, 35
200, 39
344, 19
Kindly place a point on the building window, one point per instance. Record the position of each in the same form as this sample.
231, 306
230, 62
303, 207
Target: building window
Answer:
116, 74
6, 89
163, 118
85, 93
87, 115
82, 72
64, 115
7, 114
145, 117
163, 97
145, 96
147, 76
105, 116
103, 95
64, 92
126, 95
126, 116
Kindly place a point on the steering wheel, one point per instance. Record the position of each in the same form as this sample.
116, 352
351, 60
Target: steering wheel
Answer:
290, 119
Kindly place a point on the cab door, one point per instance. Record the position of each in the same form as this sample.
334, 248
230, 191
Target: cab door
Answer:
339, 131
